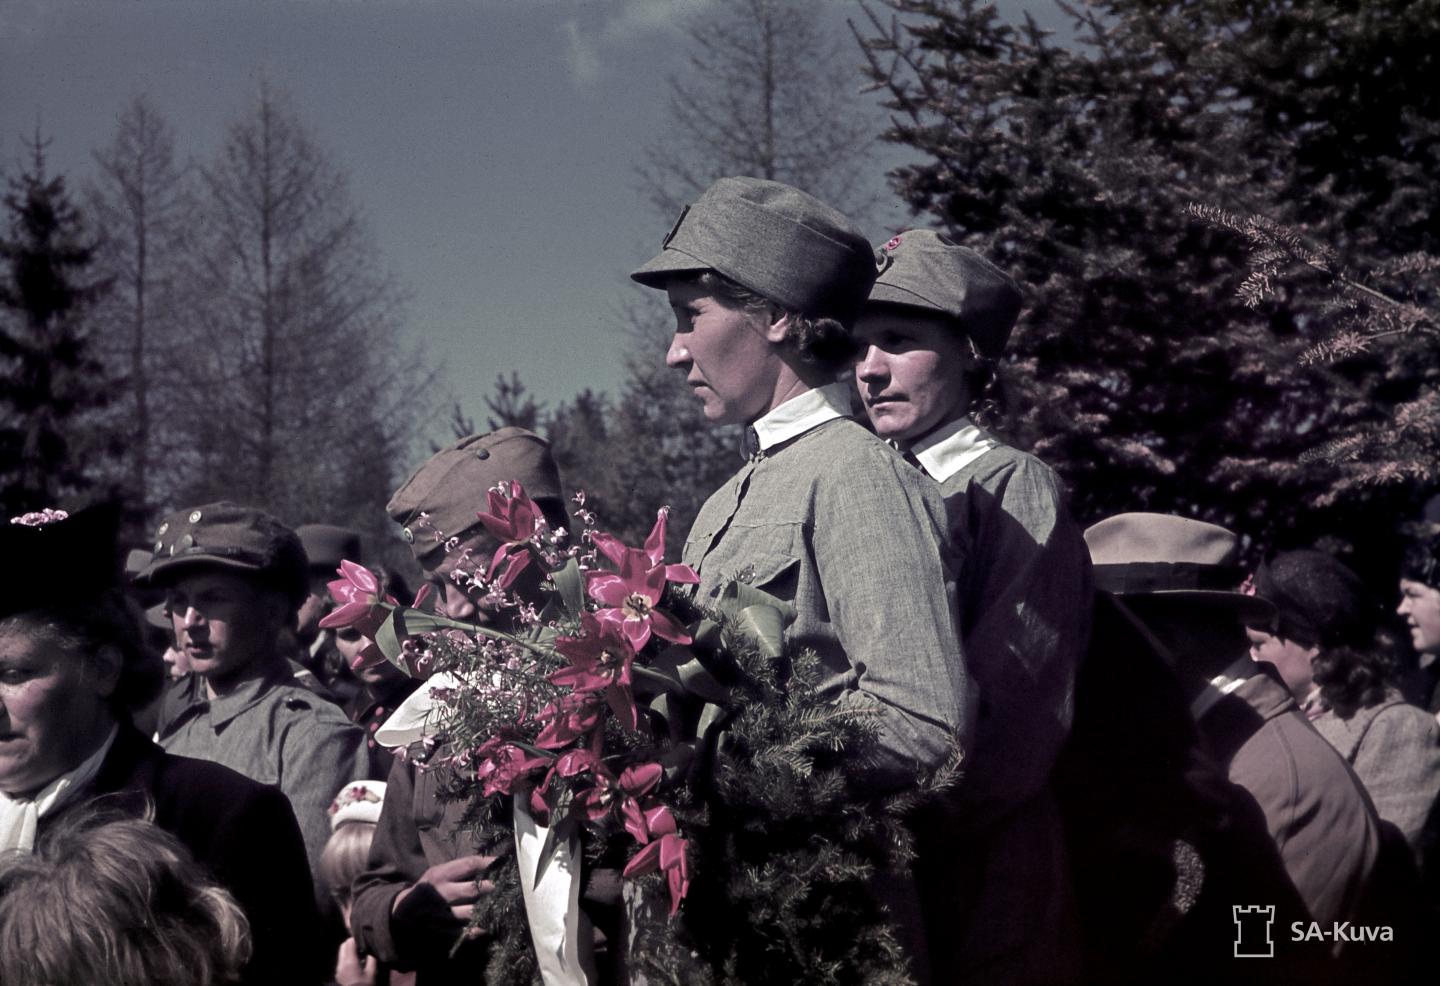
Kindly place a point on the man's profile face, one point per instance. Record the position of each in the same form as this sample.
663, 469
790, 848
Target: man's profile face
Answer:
224, 623
460, 600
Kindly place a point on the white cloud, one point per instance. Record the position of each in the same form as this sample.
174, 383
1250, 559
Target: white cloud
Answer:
619, 23
582, 54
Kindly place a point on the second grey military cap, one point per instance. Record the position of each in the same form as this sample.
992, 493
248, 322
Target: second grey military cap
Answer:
326, 545
449, 488
229, 536
775, 240
924, 269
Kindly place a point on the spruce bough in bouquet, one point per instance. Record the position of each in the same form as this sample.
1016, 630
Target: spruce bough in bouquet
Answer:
684, 746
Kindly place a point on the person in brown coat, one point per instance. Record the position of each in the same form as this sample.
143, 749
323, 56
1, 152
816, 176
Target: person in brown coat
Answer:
1177, 578
427, 866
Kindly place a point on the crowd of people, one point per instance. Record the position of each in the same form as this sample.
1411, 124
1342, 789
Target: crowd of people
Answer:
1154, 741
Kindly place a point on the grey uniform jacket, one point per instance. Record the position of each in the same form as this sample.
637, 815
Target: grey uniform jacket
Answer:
836, 522
275, 732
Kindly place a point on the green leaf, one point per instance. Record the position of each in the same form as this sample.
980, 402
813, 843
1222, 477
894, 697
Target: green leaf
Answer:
571, 586
388, 638
679, 665
739, 596
765, 625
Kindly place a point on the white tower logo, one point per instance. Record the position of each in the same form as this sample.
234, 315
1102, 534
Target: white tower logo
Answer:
1252, 931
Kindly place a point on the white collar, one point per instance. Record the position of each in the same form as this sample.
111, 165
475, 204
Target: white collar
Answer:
947, 450
799, 414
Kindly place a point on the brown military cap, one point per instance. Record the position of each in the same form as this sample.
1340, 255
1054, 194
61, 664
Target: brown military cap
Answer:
449, 488
775, 240
327, 545
229, 536
1141, 554
924, 269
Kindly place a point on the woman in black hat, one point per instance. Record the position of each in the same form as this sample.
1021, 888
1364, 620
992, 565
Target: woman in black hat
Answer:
72, 672
1326, 632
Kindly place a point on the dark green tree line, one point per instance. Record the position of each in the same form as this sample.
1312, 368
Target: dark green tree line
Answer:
54, 441
1138, 369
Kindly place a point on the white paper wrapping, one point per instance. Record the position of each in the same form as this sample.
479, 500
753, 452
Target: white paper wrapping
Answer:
552, 904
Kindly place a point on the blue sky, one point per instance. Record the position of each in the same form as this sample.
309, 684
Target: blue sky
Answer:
490, 143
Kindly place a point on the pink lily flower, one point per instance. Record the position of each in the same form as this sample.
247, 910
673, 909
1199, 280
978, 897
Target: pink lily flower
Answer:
631, 595
654, 550
600, 658
622, 794
568, 764
503, 765
665, 853
513, 520
569, 719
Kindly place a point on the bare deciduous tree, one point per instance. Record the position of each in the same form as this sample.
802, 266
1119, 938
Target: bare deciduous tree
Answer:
297, 388
772, 90
139, 206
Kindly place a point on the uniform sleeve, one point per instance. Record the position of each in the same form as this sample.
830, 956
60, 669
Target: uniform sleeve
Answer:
423, 928
879, 544
1025, 615
322, 753
1399, 762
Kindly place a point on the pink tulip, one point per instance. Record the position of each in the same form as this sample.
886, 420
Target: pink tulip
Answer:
567, 720
665, 853
600, 658
513, 520
631, 594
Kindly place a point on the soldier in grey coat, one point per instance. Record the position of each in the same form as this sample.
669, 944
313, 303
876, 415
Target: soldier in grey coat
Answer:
938, 314
765, 283
234, 577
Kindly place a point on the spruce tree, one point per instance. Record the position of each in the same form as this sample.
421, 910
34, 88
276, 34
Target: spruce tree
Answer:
52, 389
1140, 371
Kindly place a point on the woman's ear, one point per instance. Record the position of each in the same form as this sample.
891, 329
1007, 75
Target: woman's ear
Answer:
778, 328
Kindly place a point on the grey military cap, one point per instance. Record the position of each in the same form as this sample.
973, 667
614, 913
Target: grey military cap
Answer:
924, 269
775, 240
225, 535
326, 545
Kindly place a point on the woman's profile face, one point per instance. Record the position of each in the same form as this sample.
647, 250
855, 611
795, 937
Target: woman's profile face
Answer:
1420, 605
53, 711
911, 372
1293, 661
724, 353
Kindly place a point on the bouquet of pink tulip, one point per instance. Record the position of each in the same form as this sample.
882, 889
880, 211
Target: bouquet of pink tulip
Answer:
677, 744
